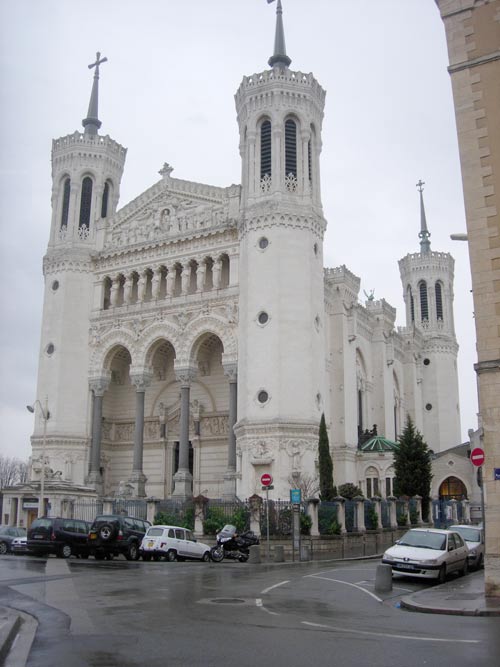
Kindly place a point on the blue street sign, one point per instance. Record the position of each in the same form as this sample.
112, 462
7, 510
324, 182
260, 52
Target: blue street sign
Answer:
496, 472
295, 496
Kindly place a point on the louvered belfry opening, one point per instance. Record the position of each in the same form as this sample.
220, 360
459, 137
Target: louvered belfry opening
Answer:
290, 148
65, 203
86, 202
265, 149
439, 301
424, 305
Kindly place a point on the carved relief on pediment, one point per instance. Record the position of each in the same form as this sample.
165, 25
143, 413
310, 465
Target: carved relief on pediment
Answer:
167, 215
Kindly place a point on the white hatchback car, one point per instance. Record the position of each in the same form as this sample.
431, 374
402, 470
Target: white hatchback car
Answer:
474, 539
429, 553
173, 543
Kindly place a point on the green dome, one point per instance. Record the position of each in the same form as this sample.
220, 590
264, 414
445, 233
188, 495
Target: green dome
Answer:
379, 444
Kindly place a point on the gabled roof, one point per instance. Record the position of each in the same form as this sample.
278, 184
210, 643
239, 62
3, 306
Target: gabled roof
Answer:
379, 444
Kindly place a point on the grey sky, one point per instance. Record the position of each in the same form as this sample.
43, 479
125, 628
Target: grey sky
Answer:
166, 93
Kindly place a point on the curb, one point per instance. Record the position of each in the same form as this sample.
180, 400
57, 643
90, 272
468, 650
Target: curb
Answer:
414, 606
10, 623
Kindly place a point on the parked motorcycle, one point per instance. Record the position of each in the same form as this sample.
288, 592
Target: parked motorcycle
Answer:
234, 545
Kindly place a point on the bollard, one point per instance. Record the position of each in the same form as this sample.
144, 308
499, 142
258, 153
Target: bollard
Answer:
279, 553
305, 552
254, 554
383, 578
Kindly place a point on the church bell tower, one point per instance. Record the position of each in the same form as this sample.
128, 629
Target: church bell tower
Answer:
281, 357
86, 173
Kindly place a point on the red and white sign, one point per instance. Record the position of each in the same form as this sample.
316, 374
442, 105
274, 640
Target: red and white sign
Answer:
477, 456
266, 479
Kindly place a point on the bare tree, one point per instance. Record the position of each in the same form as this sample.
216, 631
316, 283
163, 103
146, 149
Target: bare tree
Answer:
308, 484
12, 471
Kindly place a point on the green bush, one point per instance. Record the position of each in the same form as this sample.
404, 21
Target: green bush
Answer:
349, 491
413, 517
239, 519
402, 519
372, 518
168, 519
214, 521
305, 524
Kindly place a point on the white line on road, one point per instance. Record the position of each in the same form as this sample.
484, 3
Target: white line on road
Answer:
258, 602
346, 583
391, 636
281, 583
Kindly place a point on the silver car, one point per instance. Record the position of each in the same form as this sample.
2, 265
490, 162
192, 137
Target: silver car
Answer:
428, 553
172, 543
474, 539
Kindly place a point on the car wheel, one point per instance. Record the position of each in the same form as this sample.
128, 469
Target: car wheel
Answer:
217, 554
206, 557
65, 551
171, 556
3, 548
107, 532
465, 569
146, 557
132, 552
442, 575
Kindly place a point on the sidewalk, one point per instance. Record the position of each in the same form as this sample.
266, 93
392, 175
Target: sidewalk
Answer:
463, 596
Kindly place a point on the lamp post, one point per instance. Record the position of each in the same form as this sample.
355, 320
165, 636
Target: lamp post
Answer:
45, 416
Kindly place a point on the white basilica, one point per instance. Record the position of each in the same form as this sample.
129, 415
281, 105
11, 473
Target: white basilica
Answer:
192, 339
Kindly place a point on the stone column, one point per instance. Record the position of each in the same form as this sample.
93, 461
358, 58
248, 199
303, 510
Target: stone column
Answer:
393, 521
418, 509
216, 273
312, 512
155, 287
454, 511
377, 505
141, 380
127, 290
200, 502
183, 480
230, 475
170, 281
185, 278
305, 135
255, 502
340, 503
253, 184
200, 275
151, 509
466, 511
141, 288
98, 386
360, 514
113, 295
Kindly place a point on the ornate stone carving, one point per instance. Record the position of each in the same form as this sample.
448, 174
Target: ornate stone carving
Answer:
214, 425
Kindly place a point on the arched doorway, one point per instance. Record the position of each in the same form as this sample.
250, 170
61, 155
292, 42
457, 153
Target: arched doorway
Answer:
452, 488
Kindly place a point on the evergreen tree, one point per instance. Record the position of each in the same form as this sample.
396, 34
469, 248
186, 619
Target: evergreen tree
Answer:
326, 488
412, 466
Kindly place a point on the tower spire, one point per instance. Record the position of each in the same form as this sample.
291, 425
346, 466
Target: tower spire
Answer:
92, 122
424, 234
279, 56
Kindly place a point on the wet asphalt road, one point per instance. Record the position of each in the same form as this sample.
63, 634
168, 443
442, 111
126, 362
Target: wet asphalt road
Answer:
135, 614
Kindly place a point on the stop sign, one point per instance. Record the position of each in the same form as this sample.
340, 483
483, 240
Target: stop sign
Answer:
266, 479
477, 456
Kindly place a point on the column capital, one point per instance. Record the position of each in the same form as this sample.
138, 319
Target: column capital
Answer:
99, 383
140, 378
185, 374
231, 371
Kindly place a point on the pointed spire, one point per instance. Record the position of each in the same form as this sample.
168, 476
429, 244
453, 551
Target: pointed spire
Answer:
92, 122
279, 56
424, 234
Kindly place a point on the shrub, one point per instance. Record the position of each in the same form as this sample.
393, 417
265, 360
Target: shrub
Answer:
402, 519
305, 524
214, 521
372, 518
349, 491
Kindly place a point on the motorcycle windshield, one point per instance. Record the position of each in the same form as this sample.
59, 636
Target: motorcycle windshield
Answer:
228, 530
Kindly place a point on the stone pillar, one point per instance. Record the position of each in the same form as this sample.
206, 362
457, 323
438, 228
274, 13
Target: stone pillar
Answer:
107, 506
201, 275
377, 505
340, 503
200, 503
305, 135
170, 281
312, 512
183, 480
216, 273
391, 504
406, 512
418, 509
185, 279
113, 295
127, 290
151, 509
141, 287
98, 386
255, 502
155, 286
360, 514
465, 511
454, 511
230, 475
141, 380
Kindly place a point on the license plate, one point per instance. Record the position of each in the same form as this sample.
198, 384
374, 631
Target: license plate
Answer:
405, 566
151, 544
38, 537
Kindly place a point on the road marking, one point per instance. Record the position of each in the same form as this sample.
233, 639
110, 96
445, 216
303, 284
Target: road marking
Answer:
281, 583
346, 583
391, 636
258, 602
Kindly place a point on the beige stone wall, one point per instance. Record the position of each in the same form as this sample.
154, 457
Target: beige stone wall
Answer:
473, 37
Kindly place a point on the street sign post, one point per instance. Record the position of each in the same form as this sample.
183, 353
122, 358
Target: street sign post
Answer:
477, 456
266, 480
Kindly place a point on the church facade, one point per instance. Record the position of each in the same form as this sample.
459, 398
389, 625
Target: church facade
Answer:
192, 339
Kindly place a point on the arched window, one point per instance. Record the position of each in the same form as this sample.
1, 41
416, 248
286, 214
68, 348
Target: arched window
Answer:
411, 304
105, 198
65, 203
265, 149
85, 202
290, 148
439, 301
424, 305
452, 488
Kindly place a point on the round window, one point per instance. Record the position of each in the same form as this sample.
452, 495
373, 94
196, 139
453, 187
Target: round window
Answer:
262, 396
428, 406
263, 317
55, 285
50, 349
427, 362
263, 243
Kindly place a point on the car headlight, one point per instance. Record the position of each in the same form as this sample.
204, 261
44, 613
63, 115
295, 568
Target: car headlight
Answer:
431, 561
473, 552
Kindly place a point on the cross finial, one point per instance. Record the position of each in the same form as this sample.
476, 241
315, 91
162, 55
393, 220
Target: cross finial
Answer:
98, 61
92, 122
420, 185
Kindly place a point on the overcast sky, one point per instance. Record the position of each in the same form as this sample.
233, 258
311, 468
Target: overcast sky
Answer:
166, 93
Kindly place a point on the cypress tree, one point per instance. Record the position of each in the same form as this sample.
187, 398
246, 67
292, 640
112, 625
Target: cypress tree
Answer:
412, 466
326, 488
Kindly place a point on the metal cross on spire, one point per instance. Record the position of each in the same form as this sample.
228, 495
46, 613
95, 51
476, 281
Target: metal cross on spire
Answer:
424, 234
92, 122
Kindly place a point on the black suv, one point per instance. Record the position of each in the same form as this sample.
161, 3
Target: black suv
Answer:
62, 537
114, 534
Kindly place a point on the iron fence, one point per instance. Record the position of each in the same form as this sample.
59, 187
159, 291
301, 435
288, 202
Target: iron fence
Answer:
86, 509
328, 518
385, 518
135, 508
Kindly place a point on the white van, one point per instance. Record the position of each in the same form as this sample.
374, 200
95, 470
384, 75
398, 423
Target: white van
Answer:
173, 543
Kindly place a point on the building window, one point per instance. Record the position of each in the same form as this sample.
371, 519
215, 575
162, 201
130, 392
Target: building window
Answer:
439, 302
424, 305
265, 149
290, 148
65, 203
263, 317
85, 202
263, 243
105, 198
262, 396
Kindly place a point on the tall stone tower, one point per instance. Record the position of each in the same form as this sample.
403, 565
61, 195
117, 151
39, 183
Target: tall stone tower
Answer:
427, 279
86, 174
281, 356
